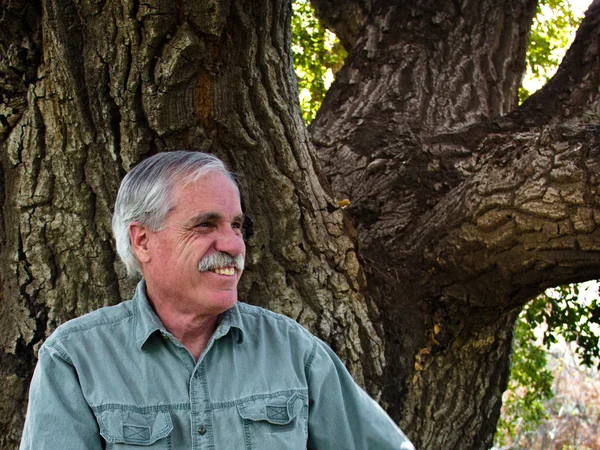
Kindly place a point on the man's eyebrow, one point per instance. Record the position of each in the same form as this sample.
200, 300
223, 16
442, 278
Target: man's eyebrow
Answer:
204, 217
210, 216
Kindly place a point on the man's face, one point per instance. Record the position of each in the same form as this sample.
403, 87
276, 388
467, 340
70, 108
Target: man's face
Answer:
207, 219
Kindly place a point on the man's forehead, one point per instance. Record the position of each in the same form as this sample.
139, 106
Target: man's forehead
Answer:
212, 186
206, 198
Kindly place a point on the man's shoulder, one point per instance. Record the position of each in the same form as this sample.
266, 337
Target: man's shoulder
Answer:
94, 321
269, 316
256, 316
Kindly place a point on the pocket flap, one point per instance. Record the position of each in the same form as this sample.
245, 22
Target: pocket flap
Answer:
130, 427
278, 410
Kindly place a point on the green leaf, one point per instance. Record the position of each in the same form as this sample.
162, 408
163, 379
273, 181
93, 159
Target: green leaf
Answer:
558, 314
317, 54
553, 29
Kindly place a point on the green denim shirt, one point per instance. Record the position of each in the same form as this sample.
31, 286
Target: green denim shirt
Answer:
117, 379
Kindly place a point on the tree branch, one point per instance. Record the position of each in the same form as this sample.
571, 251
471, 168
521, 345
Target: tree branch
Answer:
346, 18
525, 219
572, 94
396, 84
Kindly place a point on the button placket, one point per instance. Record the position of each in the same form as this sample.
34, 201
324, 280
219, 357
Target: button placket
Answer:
200, 414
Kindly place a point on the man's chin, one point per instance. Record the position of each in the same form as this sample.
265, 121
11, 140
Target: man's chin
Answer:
223, 300
222, 307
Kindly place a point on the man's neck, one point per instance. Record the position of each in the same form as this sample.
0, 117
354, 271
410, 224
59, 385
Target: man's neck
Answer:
191, 329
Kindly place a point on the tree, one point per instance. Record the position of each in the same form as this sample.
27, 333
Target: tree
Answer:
462, 206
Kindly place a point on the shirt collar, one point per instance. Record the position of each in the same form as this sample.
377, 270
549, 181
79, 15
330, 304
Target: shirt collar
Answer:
147, 322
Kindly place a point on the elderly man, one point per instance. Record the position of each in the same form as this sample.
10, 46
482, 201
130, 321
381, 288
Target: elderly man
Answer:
183, 365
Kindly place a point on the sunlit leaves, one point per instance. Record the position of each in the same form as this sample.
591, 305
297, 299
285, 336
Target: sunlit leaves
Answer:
568, 317
529, 387
561, 315
318, 54
553, 28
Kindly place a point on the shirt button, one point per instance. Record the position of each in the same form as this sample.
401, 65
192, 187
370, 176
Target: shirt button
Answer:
201, 430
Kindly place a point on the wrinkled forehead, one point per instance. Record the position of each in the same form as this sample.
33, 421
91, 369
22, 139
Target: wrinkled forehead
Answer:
213, 184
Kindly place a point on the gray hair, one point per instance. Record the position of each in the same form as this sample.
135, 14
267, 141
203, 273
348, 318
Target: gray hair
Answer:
145, 194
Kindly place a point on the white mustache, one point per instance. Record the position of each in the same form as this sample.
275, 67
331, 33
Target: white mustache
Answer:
220, 259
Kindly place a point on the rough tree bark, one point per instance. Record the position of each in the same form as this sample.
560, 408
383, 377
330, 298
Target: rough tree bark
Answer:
462, 211
92, 88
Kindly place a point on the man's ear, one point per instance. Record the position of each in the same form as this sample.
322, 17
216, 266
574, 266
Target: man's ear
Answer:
139, 236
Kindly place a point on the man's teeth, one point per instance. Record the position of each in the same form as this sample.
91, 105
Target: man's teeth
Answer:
224, 271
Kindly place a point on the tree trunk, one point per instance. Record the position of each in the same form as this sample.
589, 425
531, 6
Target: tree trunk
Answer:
117, 82
463, 215
457, 226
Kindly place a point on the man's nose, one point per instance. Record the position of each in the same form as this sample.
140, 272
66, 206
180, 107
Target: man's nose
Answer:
230, 241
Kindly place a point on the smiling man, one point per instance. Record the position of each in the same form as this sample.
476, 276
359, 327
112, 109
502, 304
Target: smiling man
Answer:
183, 365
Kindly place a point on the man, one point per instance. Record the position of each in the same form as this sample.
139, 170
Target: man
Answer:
183, 365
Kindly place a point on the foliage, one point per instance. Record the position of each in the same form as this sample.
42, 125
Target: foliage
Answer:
317, 53
552, 30
575, 409
559, 314
572, 319
530, 383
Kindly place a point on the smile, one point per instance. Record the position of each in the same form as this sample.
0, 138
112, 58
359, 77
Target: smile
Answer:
224, 271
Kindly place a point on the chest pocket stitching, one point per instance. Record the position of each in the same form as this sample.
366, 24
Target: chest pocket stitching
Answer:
282, 413
280, 410
277, 412
120, 427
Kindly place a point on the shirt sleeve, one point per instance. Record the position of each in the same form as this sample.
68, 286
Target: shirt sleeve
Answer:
58, 416
341, 413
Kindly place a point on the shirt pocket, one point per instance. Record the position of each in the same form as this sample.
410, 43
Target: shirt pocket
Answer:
275, 422
122, 429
